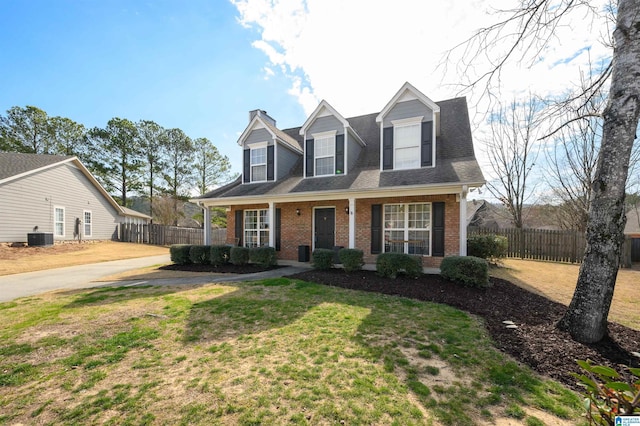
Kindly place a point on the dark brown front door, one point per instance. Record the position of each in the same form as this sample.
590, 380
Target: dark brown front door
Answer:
325, 225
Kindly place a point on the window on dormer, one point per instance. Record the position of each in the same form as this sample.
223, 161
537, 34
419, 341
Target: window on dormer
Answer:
406, 141
324, 154
259, 164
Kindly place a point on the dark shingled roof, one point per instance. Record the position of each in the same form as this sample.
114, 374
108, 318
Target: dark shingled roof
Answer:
15, 163
455, 162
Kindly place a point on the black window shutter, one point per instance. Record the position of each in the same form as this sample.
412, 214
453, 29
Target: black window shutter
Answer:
239, 227
340, 154
426, 149
438, 229
270, 162
246, 169
376, 228
277, 228
309, 157
387, 148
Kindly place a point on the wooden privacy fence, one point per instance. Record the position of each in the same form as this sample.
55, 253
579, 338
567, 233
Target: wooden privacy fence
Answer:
543, 244
164, 235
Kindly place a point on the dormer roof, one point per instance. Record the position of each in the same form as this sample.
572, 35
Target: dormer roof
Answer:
324, 109
406, 93
258, 122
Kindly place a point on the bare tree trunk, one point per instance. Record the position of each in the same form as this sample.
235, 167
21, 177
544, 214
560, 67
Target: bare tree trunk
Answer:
586, 318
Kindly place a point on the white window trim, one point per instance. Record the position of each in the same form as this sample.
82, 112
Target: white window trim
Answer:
324, 135
406, 122
55, 221
84, 223
258, 229
406, 225
253, 147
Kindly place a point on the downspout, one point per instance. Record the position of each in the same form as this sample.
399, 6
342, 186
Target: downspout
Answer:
463, 220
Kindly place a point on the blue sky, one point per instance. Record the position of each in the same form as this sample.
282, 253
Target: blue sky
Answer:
202, 65
182, 64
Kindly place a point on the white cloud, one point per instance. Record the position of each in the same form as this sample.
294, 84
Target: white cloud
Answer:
356, 54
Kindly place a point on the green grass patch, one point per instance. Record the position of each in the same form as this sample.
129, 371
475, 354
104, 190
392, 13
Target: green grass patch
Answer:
269, 352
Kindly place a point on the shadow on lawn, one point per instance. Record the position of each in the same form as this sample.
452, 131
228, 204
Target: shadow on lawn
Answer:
110, 294
384, 322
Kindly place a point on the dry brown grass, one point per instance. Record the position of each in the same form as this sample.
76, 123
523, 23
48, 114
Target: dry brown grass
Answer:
557, 281
15, 260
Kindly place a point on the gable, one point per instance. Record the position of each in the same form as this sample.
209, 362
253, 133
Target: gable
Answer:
405, 109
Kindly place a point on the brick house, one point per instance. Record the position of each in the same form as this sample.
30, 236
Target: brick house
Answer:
395, 180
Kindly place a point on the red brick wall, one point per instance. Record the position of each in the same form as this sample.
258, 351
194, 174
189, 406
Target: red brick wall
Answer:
297, 230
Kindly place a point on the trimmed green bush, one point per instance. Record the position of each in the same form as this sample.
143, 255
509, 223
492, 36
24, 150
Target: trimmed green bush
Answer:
239, 256
388, 265
322, 258
351, 259
219, 255
180, 254
199, 254
488, 246
467, 270
263, 256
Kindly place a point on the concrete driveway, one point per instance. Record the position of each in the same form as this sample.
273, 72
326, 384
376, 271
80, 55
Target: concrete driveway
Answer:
86, 276
71, 277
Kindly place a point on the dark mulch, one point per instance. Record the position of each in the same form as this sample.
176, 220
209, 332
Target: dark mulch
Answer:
224, 269
536, 342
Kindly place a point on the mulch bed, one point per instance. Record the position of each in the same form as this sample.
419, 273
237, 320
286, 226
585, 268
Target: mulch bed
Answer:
536, 342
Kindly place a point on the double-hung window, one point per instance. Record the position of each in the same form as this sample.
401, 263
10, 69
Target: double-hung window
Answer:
256, 228
58, 221
324, 153
406, 143
407, 228
87, 223
259, 164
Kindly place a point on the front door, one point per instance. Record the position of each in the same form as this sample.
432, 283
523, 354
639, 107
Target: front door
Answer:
325, 225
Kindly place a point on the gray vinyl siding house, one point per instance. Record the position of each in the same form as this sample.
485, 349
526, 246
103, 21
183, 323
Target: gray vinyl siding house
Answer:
48, 193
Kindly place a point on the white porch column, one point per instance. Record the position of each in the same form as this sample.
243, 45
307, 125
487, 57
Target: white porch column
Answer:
206, 225
272, 224
463, 220
352, 223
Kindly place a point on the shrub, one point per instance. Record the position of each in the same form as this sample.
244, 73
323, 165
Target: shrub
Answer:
467, 270
322, 258
263, 256
488, 246
180, 253
239, 256
608, 394
390, 264
219, 255
351, 259
199, 254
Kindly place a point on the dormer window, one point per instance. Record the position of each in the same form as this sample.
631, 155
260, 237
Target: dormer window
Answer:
324, 153
406, 136
259, 164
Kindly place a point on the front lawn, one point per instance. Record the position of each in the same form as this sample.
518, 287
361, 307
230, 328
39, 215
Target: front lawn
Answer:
271, 352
